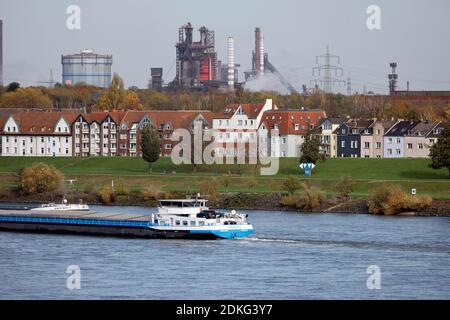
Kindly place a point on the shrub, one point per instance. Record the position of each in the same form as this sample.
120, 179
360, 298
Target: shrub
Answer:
344, 186
292, 184
122, 190
208, 187
40, 178
391, 200
107, 195
250, 182
225, 181
307, 198
150, 194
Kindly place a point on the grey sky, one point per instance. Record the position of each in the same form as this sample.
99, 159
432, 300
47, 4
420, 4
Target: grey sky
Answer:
141, 34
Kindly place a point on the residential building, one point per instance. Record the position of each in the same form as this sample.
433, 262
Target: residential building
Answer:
394, 139
31, 133
421, 138
325, 133
349, 137
237, 123
372, 139
293, 126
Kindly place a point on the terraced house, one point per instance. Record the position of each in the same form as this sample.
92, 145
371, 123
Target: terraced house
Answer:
421, 138
349, 137
394, 138
372, 141
325, 133
36, 134
293, 126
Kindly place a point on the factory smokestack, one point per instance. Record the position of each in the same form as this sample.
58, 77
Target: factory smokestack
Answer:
231, 63
257, 51
261, 57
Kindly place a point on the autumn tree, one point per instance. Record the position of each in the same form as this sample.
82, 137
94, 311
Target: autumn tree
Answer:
40, 178
440, 151
26, 98
114, 97
132, 101
150, 145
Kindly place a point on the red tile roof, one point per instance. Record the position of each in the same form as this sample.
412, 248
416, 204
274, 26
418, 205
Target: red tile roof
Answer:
286, 120
252, 110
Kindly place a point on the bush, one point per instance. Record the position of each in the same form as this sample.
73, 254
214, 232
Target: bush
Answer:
307, 198
391, 200
344, 186
208, 187
107, 195
122, 190
292, 184
40, 178
250, 182
225, 181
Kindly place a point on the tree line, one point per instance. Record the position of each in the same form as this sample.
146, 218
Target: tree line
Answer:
90, 98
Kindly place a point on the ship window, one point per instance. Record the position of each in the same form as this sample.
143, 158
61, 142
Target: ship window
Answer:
201, 223
177, 223
185, 223
192, 223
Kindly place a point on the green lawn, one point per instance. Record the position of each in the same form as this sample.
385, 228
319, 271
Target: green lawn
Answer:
134, 173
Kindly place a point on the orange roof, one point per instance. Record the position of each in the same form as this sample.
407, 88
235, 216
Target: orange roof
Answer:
252, 110
287, 121
176, 119
42, 122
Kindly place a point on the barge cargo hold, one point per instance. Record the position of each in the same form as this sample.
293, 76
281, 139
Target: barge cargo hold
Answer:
103, 224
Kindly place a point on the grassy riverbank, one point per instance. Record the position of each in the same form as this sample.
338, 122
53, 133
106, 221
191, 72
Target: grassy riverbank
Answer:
93, 173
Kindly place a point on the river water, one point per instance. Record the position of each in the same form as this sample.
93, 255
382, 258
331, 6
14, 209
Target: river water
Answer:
290, 256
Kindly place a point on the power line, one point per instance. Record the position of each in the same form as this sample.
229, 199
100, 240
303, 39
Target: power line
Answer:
327, 80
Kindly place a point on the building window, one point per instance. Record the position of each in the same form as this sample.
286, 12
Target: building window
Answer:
378, 131
378, 145
168, 146
283, 154
283, 140
366, 145
420, 145
398, 151
296, 127
410, 145
398, 140
389, 151
389, 140
343, 144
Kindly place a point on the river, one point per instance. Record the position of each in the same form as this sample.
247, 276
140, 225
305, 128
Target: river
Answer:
290, 256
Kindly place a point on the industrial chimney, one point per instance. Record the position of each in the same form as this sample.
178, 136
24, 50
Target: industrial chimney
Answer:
257, 51
231, 63
261, 57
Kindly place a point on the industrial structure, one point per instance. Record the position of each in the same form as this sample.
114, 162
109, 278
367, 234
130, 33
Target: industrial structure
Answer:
262, 65
87, 67
392, 78
328, 74
156, 81
421, 97
196, 62
1, 52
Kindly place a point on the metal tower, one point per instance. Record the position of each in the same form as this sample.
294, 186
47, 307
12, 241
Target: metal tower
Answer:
393, 78
330, 72
349, 85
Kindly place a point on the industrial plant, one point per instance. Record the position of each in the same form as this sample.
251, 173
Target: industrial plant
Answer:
87, 67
